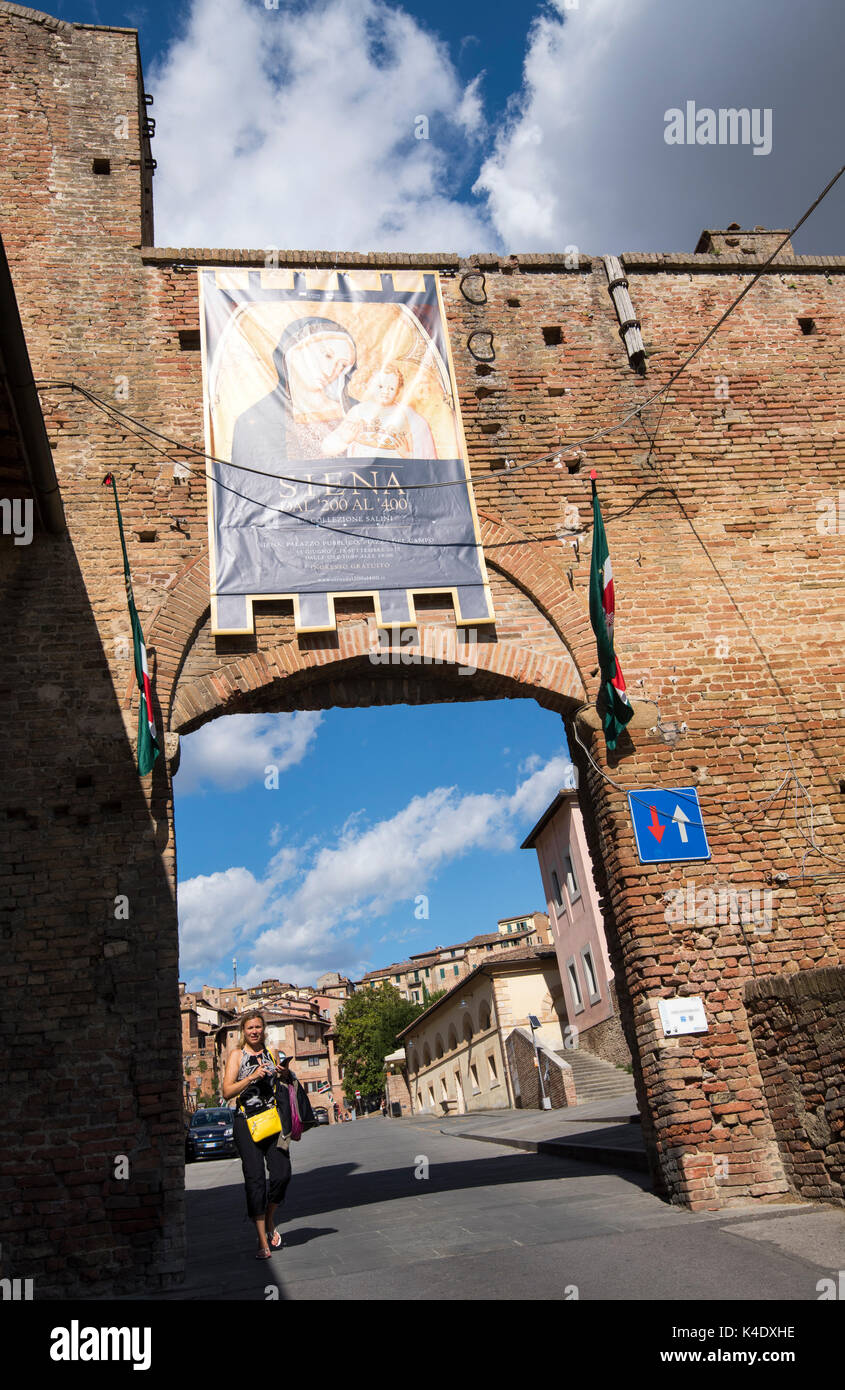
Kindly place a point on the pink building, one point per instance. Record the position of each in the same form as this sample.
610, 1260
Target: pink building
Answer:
577, 927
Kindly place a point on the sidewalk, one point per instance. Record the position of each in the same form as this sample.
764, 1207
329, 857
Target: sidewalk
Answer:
604, 1132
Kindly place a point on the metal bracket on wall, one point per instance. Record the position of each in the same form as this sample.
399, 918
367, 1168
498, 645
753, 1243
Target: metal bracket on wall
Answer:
481, 333
474, 275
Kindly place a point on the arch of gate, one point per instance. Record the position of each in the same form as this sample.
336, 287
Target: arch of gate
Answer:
541, 644
541, 647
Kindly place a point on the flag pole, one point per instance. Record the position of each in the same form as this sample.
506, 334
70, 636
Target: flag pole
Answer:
617, 707
148, 746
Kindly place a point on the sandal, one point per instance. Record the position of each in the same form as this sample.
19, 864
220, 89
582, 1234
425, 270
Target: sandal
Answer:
275, 1240
263, 1254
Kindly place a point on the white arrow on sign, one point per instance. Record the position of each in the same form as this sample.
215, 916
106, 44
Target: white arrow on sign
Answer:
683, 821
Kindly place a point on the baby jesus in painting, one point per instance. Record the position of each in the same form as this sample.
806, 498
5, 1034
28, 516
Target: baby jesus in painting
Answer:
380, 428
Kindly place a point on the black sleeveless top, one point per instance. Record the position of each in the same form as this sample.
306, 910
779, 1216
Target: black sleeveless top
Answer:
260, 1094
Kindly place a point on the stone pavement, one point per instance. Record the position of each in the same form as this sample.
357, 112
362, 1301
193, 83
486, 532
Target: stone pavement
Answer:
604, 1132
398, 1209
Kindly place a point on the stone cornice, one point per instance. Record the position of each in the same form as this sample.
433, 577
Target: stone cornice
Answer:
668, 261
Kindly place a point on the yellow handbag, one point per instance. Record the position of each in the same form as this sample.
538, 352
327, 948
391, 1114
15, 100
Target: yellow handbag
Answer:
266, 1122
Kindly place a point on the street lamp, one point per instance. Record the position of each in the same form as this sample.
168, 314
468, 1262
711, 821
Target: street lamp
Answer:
534, 1022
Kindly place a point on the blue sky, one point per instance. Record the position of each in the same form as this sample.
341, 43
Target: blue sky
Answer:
295, 127
545, 127
376, 815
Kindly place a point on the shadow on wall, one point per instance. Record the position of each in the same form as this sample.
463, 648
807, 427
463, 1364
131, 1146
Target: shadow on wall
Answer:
90, 948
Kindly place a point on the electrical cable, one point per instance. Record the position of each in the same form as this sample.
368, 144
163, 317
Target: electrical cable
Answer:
748, 815
563, 448
123, 415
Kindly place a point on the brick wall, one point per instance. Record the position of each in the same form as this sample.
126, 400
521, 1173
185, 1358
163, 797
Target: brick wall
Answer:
525, 1078
798, 1027
606, 1039
730, 606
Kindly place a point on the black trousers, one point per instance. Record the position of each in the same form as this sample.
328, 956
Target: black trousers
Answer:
253, 1158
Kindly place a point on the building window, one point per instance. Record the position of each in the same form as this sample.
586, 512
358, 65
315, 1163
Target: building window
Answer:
316, 1061
473, 1076
431, 1095
556, 893
443, 974
577, 998
455, 970
572, 886
300, 1031
491, 1062
590, 975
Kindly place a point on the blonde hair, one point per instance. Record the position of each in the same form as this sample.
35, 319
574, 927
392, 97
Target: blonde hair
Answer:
389, 369
253, 1013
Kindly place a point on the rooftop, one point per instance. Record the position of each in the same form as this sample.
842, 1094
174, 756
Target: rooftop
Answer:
494, 965
565, 794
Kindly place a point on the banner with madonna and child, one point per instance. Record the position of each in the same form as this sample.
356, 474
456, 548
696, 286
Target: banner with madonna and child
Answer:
337, 463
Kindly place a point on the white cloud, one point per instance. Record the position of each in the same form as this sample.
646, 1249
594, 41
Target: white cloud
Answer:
232, 752
581, 158
296, 127
214, 909
296, 930
531, 763
470, 112
535, 175
533, 796
218, 911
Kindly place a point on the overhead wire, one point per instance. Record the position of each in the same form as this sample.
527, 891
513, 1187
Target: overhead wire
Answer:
791, 776
563, 447
142, 429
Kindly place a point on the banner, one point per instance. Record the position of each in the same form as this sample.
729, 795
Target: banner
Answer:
337, 464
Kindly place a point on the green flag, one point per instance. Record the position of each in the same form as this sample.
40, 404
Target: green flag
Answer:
148, 742
617, 709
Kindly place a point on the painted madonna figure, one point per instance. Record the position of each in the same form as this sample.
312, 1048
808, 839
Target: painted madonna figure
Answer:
314, 360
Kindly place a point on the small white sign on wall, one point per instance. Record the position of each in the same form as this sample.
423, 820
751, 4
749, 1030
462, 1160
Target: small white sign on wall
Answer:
682, 1016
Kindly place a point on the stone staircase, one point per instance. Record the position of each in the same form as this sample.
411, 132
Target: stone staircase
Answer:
595, 1079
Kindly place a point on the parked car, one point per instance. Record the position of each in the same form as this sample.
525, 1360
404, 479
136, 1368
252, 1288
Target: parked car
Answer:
321, 1114
210, 1134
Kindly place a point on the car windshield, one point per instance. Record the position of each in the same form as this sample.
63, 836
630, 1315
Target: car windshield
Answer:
211, 1117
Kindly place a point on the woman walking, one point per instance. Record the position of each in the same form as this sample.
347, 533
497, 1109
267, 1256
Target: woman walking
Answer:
261, 1083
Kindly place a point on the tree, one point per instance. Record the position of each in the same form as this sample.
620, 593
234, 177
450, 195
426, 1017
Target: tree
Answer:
366, 1032
429, 999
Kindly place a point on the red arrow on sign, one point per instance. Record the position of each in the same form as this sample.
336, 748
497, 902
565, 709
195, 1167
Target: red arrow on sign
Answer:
656, 828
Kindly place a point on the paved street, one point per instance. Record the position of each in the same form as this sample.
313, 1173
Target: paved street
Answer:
489, 1222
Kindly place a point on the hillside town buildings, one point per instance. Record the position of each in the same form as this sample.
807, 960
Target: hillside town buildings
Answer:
300, 1018
456, 1051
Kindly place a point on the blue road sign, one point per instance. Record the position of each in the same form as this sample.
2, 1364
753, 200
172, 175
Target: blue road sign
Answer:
668, 825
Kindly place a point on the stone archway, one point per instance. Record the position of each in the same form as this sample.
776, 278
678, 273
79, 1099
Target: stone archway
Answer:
542, 648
